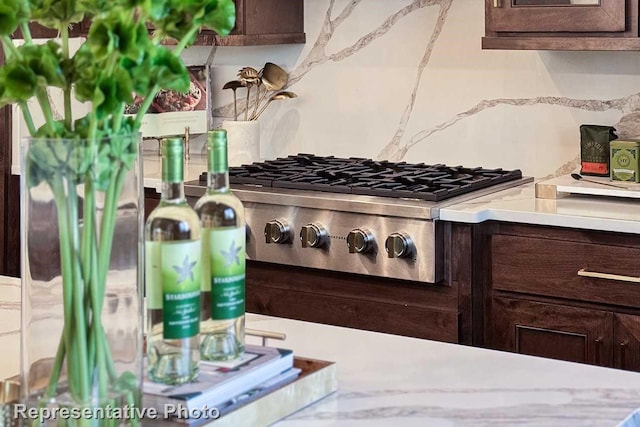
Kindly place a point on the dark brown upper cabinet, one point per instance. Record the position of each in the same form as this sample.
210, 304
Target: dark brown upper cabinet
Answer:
561, 25
258, 22
262, 22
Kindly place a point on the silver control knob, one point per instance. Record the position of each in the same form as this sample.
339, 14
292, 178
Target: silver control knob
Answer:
313, 236
360, 241
277, 231
399, 245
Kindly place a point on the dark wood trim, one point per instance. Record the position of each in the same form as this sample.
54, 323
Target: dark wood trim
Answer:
459, 272
13, 226
630, 240
572, 34
5, 172
609, 16
562, 43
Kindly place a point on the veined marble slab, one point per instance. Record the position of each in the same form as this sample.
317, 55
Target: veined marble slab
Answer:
386, 380
520, 205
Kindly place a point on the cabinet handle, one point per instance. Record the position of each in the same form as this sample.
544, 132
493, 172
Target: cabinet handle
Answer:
608, 276
598, 346
496, 3
623, 354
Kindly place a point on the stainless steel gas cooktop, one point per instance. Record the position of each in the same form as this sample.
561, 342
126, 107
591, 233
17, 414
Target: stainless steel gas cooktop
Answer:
354, 215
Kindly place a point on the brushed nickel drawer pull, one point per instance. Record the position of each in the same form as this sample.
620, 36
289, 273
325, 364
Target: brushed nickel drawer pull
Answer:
496, 3
584, 273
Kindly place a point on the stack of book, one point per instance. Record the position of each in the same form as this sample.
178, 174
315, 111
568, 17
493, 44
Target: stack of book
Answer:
222, 387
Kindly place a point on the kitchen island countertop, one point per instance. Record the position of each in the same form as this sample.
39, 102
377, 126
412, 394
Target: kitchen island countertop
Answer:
520, 205
393, 380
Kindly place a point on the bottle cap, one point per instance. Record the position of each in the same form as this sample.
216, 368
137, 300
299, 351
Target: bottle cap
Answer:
217, 151
172, 160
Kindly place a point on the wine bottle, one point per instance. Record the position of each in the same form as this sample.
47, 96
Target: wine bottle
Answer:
223, 258
173, 277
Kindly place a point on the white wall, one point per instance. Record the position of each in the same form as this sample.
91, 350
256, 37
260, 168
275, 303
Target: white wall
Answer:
407, 80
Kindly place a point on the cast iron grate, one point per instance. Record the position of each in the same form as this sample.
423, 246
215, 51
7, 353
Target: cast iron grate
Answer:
369, 177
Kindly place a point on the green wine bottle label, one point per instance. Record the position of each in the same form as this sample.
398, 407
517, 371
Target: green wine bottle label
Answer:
173, 285
226, 258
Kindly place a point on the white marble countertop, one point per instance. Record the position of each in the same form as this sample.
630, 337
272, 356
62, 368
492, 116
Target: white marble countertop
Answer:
388, 380
519, 204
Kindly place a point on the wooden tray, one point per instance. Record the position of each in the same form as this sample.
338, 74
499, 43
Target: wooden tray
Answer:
565, 185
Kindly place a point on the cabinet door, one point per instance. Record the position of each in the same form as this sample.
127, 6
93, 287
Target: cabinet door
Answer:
551, 330
627, 342
555, 15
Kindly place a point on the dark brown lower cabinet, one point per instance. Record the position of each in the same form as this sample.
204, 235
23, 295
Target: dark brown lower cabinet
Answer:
562, 293
552, 330
626, 344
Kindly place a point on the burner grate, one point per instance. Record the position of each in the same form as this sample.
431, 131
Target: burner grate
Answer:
369, 177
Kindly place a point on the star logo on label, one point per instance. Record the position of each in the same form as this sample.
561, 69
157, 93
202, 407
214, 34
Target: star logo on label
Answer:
185, 271
231, 256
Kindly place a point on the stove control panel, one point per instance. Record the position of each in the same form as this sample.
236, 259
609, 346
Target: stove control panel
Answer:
313, 235
350, 242
360, 241
277, 231
399, 245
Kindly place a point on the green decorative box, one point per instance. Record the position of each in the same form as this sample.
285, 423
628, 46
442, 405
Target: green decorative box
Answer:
624, 160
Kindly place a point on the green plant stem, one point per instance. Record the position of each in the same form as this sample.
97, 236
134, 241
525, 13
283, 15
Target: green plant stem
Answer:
67, 275
26, 32
26, 113
145, 106
79, 325
117, 118
9, 48
107, 228
57, 368
87, 250
64, 32
90, 262
43, 100
185, 40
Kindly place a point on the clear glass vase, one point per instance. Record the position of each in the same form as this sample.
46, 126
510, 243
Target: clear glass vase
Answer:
82, 219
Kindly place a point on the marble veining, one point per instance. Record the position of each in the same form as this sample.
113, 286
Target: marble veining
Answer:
540, 98
388, 380
499, 407
408, 80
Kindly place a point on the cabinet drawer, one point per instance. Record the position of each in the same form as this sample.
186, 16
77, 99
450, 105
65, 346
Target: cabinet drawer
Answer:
551, 268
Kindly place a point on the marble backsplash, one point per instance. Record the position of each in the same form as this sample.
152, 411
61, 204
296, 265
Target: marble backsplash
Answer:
408, 80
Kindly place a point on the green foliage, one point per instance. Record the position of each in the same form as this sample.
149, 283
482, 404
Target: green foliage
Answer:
12, 14
120, 59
